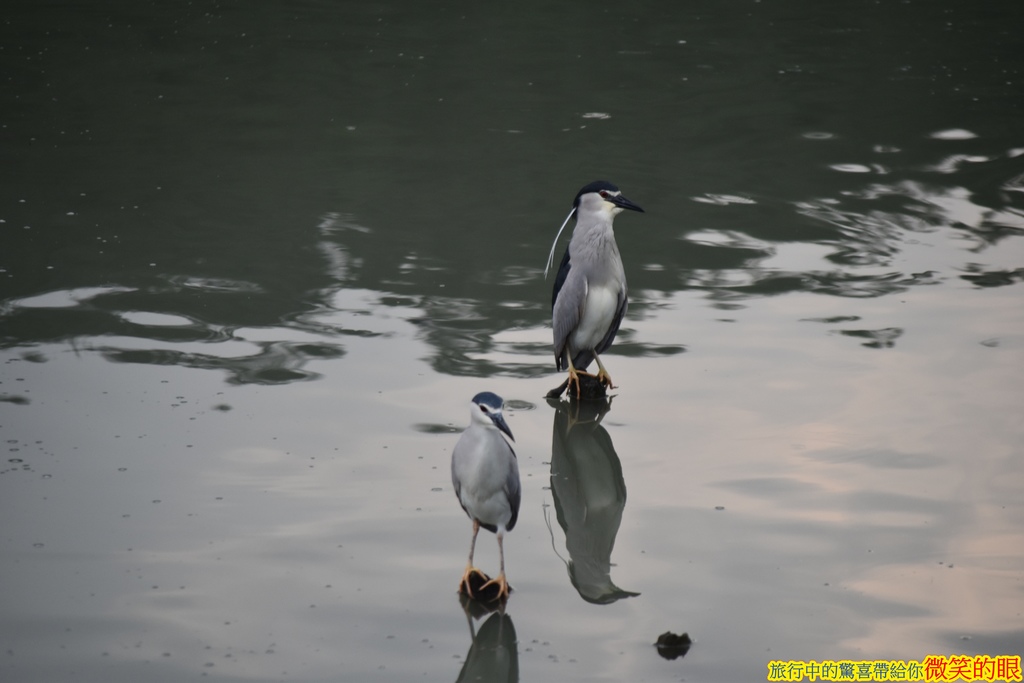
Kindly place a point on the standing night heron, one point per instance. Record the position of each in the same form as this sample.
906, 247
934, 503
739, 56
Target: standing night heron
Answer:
589, 297
486, 480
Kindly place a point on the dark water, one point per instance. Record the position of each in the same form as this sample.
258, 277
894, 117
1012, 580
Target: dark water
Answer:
254, 261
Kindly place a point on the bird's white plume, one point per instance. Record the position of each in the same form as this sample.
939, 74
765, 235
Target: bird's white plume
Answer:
551, 254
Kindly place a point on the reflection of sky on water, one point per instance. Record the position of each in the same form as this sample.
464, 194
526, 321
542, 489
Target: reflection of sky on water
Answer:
888, 462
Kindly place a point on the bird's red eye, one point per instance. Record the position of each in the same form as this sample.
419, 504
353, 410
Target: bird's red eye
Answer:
482, 409
604, 193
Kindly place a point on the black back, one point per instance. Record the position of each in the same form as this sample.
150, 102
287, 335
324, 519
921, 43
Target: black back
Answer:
563, 272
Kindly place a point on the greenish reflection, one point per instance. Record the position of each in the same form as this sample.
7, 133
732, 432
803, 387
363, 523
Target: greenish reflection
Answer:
589, 493
493, 655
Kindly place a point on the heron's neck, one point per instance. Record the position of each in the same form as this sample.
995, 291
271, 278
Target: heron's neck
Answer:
594, 242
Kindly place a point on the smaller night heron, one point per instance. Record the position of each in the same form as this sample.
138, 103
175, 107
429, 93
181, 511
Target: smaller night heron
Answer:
485, 475
589, 298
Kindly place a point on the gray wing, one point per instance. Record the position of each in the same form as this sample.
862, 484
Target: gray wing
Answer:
512, 488
456, 479
566, 309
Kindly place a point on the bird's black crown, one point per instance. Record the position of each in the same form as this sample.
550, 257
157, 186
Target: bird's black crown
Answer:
489, 399
595, 186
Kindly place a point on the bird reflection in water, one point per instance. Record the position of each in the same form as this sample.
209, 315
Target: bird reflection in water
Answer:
589, 494
493, 655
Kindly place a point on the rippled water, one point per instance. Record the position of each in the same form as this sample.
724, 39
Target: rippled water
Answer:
255, 261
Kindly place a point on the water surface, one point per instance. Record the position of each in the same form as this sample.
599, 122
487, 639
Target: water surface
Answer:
255, 261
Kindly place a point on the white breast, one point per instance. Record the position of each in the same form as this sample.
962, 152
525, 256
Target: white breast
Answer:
598, 314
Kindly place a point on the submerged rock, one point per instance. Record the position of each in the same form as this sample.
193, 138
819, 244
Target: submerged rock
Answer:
591, 389
477, 580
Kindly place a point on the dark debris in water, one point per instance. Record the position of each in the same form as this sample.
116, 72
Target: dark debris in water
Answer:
673, 646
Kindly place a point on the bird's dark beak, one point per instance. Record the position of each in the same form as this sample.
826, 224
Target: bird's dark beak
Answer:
624, 203
499, 422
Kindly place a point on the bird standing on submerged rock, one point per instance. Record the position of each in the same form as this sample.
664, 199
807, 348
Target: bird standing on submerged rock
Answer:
485, 475
589, 298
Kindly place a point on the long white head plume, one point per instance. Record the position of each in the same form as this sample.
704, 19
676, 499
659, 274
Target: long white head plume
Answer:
551, 254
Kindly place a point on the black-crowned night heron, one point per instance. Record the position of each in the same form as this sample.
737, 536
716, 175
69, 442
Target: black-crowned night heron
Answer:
486, 480
589, 297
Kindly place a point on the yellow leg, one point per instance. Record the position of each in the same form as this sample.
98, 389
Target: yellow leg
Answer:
465, 583
502, 585
499, 580
574, 376
470, 569
602, 374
